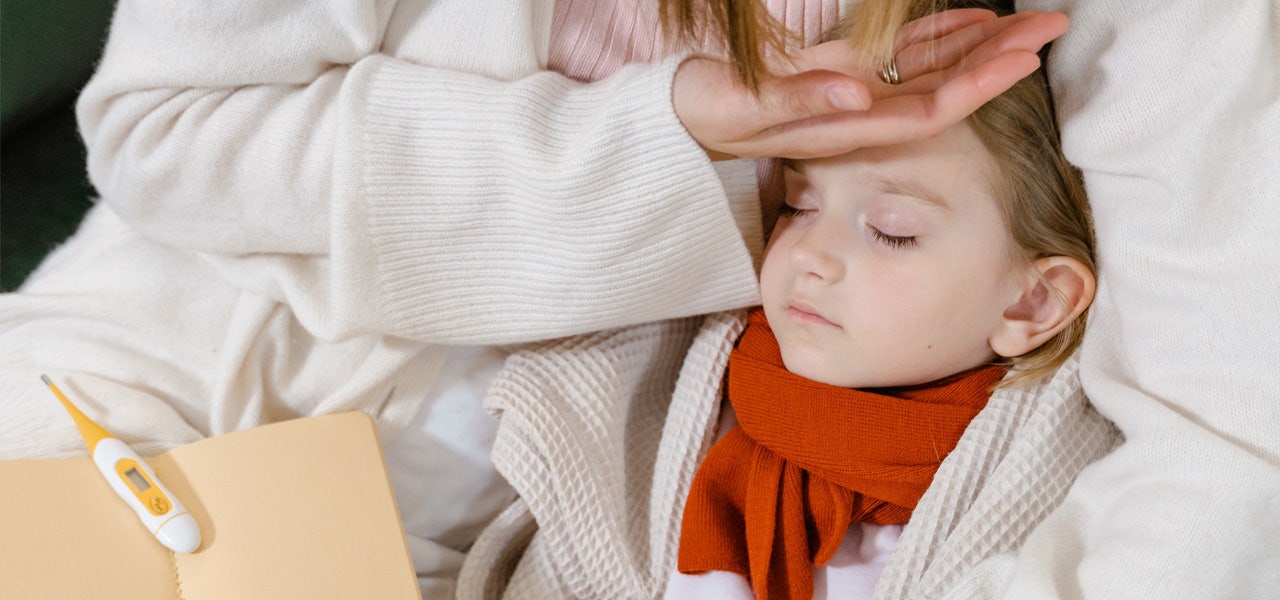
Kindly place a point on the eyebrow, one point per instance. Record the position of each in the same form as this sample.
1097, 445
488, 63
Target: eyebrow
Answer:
910, 188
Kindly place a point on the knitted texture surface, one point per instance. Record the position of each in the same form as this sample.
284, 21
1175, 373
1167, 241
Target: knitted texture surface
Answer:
601, 442
1012, 467
600, 436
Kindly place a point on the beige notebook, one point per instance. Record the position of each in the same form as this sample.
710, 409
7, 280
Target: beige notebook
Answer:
298, 509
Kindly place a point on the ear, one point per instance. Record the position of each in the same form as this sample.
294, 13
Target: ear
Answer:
1058, 289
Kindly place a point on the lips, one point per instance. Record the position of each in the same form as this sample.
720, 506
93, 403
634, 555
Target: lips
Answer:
804, 313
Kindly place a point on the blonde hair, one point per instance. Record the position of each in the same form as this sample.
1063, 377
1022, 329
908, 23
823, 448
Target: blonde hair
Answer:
1041, 197
746, 32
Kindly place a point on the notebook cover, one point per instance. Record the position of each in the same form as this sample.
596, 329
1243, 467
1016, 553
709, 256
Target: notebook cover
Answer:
297, 509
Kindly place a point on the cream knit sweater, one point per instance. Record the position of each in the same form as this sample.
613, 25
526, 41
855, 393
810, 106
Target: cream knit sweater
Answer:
303, 203
410, 169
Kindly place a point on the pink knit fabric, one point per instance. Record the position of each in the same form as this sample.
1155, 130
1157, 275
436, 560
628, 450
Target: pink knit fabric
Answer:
590, 39
807, 18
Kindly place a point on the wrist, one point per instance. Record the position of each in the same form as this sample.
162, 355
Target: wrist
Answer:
693, 100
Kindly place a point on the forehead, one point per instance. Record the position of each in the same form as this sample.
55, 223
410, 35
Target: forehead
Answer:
935, 169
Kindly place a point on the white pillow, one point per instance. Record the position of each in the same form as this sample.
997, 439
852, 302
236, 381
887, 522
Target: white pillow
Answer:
1171, 111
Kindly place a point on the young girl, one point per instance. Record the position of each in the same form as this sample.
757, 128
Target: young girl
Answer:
899, 286
315, 207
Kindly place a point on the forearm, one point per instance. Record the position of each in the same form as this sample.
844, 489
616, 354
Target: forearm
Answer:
607, 216
604, 213
376, 193
213, 127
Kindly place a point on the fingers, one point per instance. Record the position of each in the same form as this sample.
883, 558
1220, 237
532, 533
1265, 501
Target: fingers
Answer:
836, 55
980, 42
1026, 35
940, 24
899, 118
839, 55
827, 109
958, 98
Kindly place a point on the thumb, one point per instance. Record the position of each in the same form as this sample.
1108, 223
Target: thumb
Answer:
810, 94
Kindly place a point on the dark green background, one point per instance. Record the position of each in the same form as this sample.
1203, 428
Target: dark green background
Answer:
47, 52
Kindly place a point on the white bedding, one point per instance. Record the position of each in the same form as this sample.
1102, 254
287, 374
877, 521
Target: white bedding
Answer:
1172, 111
445, 484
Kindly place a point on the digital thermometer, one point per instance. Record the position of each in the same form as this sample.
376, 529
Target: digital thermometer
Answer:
135, 482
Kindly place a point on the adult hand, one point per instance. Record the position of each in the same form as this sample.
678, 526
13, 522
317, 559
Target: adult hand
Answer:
827, 101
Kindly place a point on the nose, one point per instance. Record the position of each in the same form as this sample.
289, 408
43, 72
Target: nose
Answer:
814, 253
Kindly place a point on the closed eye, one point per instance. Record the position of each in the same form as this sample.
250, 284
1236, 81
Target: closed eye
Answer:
896, 242
788, 211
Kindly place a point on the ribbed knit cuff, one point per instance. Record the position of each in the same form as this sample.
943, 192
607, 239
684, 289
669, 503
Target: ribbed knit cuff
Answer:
493, 212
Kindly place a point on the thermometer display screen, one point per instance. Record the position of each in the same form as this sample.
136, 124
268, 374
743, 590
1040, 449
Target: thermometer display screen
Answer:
139, 482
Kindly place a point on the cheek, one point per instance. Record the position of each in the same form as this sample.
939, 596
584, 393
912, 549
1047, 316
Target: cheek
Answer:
892, 291
906, 311
953, 312
774, 269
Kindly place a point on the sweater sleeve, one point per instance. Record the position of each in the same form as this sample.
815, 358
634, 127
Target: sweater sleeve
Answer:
335, 157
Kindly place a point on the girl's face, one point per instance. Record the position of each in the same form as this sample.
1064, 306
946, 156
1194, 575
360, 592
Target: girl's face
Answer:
890, 266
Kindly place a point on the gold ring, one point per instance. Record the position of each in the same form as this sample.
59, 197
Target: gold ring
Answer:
889, 71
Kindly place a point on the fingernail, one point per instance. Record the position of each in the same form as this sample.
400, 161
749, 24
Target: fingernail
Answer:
846, 97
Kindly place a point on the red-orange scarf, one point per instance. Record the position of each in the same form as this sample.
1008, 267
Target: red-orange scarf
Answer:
775, 496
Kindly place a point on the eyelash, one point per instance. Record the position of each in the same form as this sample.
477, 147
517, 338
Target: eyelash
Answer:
790, 211
893, 241
896, 242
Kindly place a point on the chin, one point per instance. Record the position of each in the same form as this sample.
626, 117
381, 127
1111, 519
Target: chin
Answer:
839, 376
815, 371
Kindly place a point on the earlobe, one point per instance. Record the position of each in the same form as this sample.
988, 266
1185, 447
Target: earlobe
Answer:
1059, 290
